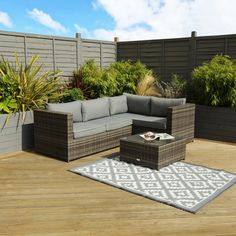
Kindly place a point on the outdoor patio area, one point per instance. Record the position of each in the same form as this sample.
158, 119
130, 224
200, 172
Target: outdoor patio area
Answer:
40, 197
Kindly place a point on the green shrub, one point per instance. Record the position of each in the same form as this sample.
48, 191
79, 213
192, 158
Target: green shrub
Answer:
128, 75
7, 102
73, 94
95, 82
214, 83
119, 77
25, 88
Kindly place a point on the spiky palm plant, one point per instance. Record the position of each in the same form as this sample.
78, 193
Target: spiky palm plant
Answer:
27, 85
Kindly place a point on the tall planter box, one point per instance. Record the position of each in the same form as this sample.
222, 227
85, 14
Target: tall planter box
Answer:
217, 123
17, 134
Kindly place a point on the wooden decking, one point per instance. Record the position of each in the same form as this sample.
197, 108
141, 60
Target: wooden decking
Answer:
38, 196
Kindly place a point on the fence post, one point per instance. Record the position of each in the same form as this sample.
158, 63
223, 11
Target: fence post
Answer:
78, 50
138, 51
116, 40
192, 62
192, 53
53, 54
163, 66
25, 49
101, 55
226, 46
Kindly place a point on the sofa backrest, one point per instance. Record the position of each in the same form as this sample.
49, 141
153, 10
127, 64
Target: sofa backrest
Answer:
95, 108
118, 104
103, 107
138, 104
69, 107
159, 106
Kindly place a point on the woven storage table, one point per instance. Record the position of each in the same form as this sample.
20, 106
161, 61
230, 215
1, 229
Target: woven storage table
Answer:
153, 154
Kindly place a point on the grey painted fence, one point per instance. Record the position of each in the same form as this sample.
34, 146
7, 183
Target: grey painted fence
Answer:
17, 134
57, 53
179, 55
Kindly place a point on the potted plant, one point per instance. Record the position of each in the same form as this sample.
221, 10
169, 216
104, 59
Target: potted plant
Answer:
22, 89
214, 86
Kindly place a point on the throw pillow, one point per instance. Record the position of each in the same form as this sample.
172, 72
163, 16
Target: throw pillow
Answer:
118, 104
95, 108
69, 107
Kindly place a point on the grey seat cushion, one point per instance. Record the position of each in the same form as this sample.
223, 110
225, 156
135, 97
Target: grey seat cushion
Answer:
118, 104
95, 108
114, 122
138, 104
126, 119
69, 107
84, 129
159, 106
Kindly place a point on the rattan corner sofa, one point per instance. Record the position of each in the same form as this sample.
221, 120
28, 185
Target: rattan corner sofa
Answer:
68, 131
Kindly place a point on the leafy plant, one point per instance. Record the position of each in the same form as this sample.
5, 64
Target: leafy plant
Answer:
95, 81
73, 94
26, 87
214, 82
128, 75
7, 105
119, 77
173, 89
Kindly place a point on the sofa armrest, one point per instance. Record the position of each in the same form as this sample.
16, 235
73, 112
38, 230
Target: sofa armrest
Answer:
180, 121
53, 124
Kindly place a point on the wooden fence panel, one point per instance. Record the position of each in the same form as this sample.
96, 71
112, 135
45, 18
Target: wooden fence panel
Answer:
65, 57
91, 50
206, 48
43, 48
57, 53
179, 56
10, 45
108, 54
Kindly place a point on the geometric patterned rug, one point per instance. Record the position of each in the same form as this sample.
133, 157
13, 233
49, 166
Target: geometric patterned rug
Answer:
185, 186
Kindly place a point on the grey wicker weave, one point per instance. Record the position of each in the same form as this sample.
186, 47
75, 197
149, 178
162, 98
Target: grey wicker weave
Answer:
54, 137
53, 133
180, 122
154, 154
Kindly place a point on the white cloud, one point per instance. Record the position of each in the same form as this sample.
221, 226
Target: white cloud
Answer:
46, 20
5, 19
149, 19
84, 32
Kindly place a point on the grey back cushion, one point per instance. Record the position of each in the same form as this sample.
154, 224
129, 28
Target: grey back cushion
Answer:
138, 104
95, 108
69, 107
159, 106
118, 104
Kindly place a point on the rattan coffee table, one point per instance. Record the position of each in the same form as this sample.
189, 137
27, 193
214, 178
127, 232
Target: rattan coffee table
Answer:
153, 154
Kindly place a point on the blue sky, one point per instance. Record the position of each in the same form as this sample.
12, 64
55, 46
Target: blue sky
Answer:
126, 19
66, 12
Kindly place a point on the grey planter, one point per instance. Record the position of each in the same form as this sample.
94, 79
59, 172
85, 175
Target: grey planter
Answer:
17, 135
217, 123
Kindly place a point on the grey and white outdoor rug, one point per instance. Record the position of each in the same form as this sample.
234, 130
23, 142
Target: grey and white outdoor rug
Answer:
185, 186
